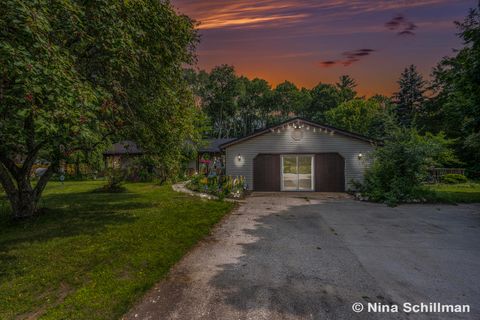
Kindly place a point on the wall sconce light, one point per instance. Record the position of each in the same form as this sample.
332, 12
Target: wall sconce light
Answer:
239, 157
360, 156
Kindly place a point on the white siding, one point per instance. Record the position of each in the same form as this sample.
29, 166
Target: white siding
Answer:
311, 142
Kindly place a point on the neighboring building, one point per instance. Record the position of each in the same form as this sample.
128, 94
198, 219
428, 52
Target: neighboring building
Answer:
209, 153
120, 155
299, 155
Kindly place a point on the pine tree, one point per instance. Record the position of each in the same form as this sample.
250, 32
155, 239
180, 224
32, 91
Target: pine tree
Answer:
410, 98
346, 87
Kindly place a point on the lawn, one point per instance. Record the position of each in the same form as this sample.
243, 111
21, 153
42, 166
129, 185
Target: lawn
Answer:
92, 255
454, 193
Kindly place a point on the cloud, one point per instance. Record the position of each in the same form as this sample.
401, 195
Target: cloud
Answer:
248, 14
348, 58
328, 63
250, 22
400, 24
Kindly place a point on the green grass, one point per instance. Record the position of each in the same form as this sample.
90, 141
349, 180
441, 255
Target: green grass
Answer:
92, 255
453, 193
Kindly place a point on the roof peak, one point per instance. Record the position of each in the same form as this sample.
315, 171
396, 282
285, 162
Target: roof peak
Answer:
301, 121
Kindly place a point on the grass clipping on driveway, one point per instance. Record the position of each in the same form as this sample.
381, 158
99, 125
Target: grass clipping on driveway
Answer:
92, 255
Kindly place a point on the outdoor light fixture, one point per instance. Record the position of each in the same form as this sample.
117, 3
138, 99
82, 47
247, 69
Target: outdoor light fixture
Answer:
360, 156
239, 157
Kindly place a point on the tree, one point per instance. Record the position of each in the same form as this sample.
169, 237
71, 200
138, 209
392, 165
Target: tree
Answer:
401, 164
457, 87
410, 98
220, 99
288, 101
75, 74
346, 87
197, 82
366, 117
384, 101
254, 105
324, 97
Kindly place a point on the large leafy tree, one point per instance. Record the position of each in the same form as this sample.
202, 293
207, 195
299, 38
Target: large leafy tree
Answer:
457, 84
253, 107
288, 101
220, 99
324, 97
410, 99
367, 117
75, 73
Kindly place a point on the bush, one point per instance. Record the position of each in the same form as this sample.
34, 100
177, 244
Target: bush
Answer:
400, 166
220, 186
115, 181
454, 178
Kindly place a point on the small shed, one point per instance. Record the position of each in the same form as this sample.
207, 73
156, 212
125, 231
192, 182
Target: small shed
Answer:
121, 154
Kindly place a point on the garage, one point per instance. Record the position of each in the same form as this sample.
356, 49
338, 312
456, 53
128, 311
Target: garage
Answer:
322, 172
299, 155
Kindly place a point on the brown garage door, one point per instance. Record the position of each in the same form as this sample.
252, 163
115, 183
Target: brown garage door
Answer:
266, 172
329, 172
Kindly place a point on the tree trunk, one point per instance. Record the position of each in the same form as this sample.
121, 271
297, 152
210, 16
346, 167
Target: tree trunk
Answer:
24, 204
22, 196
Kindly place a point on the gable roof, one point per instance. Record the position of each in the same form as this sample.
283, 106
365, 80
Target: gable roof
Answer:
213, 145
304, 121
123, 147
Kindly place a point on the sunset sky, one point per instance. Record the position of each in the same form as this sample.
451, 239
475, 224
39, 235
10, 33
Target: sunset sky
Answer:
312, 41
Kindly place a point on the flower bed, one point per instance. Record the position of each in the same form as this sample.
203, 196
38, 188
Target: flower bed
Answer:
220, 186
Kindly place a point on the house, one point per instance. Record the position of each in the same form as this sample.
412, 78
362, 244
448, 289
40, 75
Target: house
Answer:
121, 154
299, 155
209, 153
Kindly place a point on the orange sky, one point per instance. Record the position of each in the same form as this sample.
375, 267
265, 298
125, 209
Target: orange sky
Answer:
311, 41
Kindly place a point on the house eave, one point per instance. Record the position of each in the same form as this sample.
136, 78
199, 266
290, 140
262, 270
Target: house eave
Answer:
308, 122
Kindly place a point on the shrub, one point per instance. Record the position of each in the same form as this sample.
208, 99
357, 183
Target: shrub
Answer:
115, 180
400, 166
453, 178
220, 186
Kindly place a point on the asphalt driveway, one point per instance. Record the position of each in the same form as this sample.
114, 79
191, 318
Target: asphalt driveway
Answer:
309, 256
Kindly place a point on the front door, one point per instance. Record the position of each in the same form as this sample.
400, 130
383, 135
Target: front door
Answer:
297, 173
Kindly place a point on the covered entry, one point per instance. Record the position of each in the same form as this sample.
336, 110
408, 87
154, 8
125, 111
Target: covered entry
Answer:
322, 172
